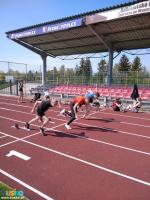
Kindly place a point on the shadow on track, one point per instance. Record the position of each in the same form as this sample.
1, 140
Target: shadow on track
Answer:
63, 134
107, 120
92, 128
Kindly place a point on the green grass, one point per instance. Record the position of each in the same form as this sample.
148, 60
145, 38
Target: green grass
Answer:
4, 85
7, 192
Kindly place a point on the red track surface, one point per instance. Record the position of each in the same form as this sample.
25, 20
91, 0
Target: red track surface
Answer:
106, 156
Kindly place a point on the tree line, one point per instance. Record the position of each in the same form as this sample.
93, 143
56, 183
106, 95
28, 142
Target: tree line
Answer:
123, 72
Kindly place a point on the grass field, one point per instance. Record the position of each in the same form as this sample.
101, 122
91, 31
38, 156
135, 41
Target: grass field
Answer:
7, 192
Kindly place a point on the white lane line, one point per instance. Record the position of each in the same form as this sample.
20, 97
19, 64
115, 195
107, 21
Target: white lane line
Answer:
26, 185
114, 130
107, 129
16, 138
18, 154
18, 111
90, 139
116, 114
3, 136
20, 139
91, 164
98, 141
107, 143
83, 161
23, 106
101, 111
17, 105
135, 124
127, 116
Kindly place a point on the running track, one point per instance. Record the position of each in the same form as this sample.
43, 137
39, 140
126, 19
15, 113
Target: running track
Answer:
106, 156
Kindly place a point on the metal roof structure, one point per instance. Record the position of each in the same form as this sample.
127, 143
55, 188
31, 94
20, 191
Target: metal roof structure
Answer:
117, 28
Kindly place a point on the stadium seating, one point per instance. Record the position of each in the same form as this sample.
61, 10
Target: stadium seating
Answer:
105, 91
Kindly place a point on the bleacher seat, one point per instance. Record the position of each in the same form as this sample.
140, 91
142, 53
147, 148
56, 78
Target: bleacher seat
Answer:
120, 92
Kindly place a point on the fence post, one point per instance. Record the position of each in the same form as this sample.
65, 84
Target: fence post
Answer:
137, 77
17, 87
10, 86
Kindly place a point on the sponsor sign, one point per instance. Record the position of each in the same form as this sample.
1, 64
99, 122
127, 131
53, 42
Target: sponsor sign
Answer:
139, 8
48, 28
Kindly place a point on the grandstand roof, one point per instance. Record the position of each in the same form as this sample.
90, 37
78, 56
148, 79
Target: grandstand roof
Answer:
121, 27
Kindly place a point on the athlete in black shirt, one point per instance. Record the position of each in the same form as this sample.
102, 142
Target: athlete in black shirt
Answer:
42, 107
20, 98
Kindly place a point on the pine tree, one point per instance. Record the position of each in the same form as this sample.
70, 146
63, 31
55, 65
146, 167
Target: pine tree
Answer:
77, 70
115, 68
81, 66
55, 73
124, 64
87, 67
62, 74
136, 64
62, 70
102, 70
102, 66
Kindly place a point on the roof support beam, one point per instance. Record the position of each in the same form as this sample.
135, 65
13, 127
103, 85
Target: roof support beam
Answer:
110, 50
99, 37
32, 48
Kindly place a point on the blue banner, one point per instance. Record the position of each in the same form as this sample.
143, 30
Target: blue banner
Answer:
47, 29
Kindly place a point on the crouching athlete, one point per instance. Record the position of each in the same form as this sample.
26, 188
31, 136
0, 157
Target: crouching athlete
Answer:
42, 107
76, 103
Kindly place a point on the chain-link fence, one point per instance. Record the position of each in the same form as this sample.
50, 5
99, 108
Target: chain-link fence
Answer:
32, 77
12, 72
26, 72
118, 79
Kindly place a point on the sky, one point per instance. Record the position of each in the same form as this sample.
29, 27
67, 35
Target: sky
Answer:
16, 14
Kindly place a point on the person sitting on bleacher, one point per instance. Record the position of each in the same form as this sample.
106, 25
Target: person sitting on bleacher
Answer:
136, 106
117, 105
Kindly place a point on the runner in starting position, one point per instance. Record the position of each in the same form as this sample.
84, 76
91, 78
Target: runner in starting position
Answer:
76, 103
42, 107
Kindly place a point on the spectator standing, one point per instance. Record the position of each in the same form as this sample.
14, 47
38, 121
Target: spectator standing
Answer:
20, 99
135, 93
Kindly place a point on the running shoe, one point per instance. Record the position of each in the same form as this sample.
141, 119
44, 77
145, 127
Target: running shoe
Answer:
27, 125
42, 131
68, 127
16, 126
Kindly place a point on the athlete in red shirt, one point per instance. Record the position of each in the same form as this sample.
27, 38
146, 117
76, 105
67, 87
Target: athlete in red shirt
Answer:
74, 105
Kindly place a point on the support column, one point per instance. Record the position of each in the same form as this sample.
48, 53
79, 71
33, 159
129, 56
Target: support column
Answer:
108, 46
110, 66
44, 67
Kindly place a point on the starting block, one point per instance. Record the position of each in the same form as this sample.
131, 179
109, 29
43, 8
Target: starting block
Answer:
16, 126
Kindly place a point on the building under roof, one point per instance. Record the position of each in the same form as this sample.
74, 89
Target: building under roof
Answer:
121, 27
